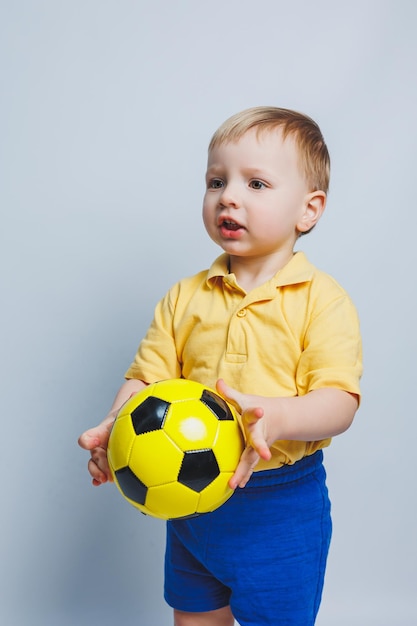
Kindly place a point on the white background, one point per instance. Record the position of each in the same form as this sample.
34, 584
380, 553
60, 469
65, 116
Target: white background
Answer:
106, 112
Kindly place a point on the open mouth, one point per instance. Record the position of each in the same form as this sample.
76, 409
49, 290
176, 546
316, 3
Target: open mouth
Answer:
230, 225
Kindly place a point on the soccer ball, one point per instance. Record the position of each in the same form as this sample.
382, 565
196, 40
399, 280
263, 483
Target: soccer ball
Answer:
173, 448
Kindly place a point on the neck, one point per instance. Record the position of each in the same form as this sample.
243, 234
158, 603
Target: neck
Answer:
251, 272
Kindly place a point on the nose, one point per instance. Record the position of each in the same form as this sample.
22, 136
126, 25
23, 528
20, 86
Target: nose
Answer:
230, 196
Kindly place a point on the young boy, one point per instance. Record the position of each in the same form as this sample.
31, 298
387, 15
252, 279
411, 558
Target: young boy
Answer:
281, 341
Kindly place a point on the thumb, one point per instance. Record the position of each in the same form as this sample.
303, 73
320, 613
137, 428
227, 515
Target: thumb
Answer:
230, 394
96, 437
90, 438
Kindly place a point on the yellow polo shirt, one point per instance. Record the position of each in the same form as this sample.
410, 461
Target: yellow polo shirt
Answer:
297, 332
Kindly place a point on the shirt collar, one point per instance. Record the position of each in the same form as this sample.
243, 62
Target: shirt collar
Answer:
297, 270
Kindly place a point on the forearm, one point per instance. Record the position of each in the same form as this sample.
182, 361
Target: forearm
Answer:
128, 388
320, 414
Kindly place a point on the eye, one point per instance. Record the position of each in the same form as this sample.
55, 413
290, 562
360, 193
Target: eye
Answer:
215, 183
257, 184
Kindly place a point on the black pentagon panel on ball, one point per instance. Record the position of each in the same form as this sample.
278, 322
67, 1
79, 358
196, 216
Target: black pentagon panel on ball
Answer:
198, 469
149, 415
216, 404
132, 487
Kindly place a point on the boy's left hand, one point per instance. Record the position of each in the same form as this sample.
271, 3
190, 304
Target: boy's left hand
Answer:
255, 430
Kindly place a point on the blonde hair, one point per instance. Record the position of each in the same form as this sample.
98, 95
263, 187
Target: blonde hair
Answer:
313, 153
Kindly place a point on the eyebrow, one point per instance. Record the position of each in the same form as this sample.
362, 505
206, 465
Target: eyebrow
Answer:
249, 168
214, 167
254, 171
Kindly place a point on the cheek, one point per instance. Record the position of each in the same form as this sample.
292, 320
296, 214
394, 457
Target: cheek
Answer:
208, 207
275, 224
207, 214
271, 221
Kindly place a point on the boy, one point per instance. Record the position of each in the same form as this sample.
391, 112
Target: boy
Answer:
285, 338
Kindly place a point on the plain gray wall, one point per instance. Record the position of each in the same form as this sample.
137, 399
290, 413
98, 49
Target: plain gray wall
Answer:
106, 111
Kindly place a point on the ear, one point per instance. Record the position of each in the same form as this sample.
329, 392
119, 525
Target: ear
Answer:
315, 203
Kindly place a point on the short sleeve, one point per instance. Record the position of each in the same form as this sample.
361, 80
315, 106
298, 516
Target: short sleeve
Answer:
332, 351
156, 358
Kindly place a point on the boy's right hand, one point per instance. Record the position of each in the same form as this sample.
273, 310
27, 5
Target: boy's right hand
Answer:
95, 440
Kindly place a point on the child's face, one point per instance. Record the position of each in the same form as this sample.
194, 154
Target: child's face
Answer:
256, 197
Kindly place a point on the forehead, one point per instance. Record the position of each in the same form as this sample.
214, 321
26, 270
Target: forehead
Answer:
257, 147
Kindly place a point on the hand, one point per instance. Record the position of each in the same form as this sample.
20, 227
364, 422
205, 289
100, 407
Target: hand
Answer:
255, 429
95, 440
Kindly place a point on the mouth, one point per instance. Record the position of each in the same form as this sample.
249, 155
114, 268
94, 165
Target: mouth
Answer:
229, 229
229, 225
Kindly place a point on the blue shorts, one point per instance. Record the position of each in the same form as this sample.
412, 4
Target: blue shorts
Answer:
263, 552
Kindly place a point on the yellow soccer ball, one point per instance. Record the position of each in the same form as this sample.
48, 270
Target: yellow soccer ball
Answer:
173, 448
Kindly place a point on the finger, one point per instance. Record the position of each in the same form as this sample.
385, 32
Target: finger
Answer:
261, 447
96, 437
254, 432
244, 470
89, 439
231, 395
252, 415
99, 470
99, 477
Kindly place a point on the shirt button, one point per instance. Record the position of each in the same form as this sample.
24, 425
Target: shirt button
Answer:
241, 313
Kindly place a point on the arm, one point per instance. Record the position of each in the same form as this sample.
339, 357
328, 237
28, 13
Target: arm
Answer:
320, 414
96, 439
157, 357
